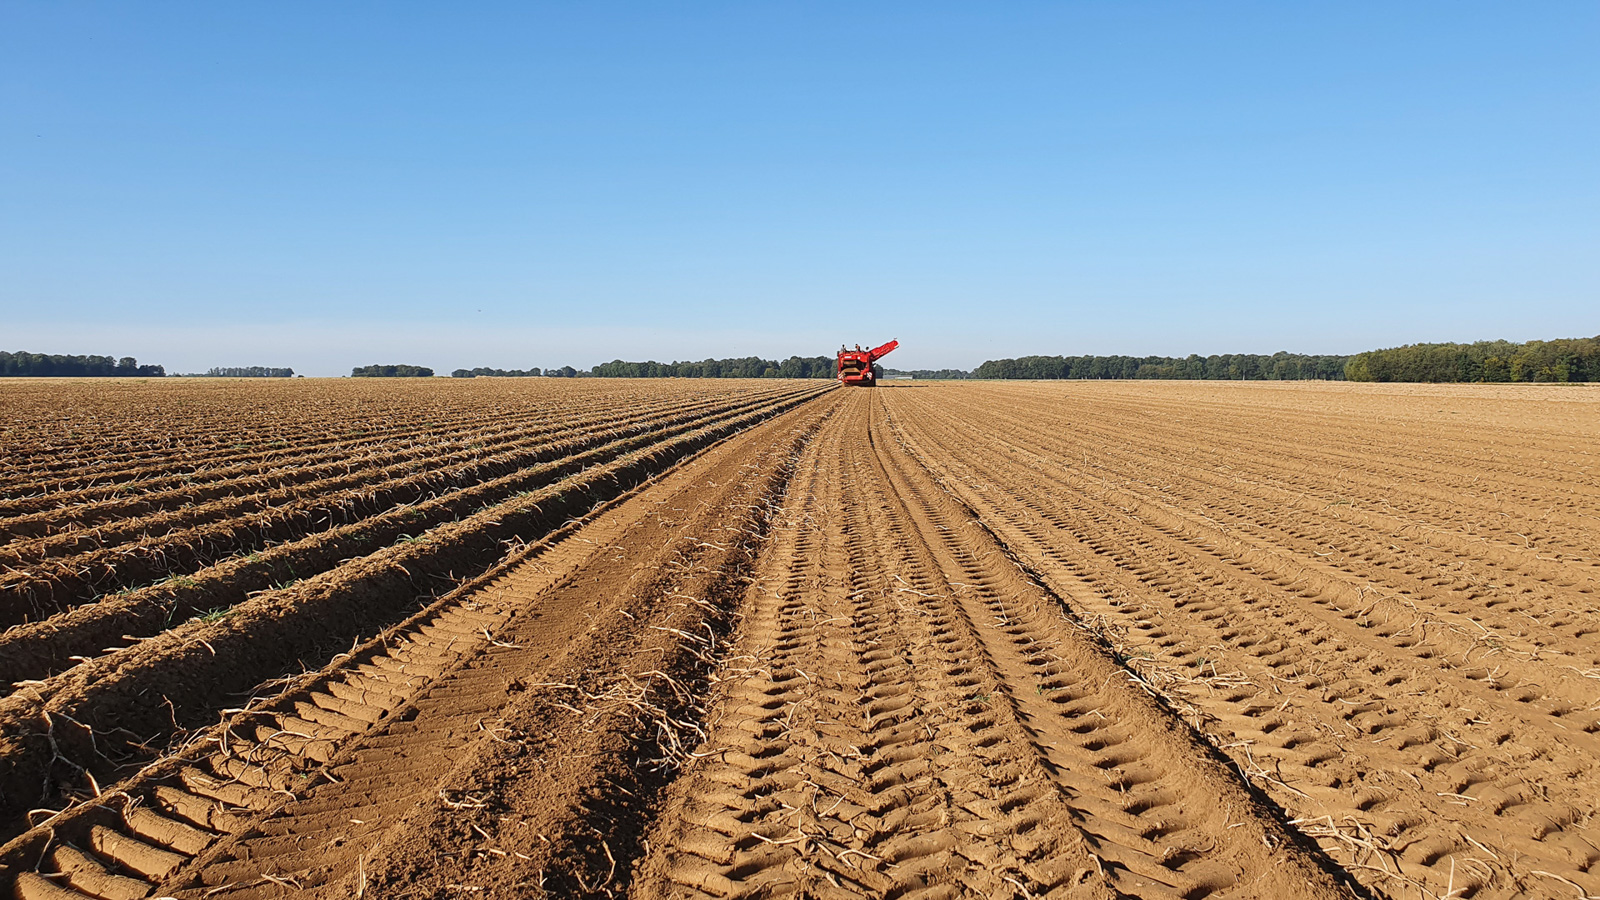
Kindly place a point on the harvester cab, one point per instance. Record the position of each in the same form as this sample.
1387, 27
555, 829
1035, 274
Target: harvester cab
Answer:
858, 366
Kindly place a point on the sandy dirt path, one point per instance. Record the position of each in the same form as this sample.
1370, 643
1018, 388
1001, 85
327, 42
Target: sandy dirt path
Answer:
907, 714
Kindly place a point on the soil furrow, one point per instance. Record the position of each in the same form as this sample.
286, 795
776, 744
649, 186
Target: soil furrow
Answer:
1324, 509
36, 650
973, 639
182, 455
56, 532
1463, 628
1362, 723
894, 732
688, 537
48, 585
1443, 492
137, 697
87, 440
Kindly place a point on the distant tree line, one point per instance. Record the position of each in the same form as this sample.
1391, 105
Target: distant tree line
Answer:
1562, 360
42, 365
391, 372
747, 367
246, 372
927, 374
1279, 366
534, 372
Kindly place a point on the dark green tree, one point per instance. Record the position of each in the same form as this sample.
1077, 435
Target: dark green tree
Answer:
398, 371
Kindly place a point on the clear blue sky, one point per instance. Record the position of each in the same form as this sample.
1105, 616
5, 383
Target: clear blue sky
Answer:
330, 184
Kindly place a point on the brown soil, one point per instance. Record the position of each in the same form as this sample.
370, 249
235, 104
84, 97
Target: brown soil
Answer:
115, 709
997, 640
45, 576
85, 513
1378, 602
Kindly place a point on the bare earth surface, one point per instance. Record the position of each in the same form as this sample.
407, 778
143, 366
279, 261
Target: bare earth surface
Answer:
759, 639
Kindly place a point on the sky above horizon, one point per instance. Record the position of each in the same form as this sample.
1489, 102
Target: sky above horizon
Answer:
510, 185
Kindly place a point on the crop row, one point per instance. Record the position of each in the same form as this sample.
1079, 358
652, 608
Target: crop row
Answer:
37, 588
106, 516
188, 446
1362, 638
46, 476
31, 649
134, 477
40, 586
127, 703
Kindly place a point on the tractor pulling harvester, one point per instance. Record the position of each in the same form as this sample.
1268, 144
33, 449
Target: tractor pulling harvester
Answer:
856, 367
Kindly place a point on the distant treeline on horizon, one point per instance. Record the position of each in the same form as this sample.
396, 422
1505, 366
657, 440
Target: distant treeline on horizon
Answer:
1561, 360
484, 372
1279, 366
928, 374
747, 367
244, 372
23, 364
1491, 362
401, 371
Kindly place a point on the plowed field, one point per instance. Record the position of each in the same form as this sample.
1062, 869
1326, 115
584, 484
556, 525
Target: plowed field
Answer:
760, 639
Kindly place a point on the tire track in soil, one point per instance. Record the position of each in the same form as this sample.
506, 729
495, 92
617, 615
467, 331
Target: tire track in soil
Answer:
290, 794
1548, 656
905, 714
1459, 579
1435, 479
1418, 778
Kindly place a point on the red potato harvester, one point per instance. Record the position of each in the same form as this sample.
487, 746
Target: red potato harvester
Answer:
856, 366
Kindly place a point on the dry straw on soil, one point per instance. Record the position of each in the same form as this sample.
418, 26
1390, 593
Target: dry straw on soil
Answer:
676, 638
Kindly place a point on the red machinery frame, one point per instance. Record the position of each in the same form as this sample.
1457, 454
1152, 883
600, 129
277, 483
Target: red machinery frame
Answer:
855, 366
